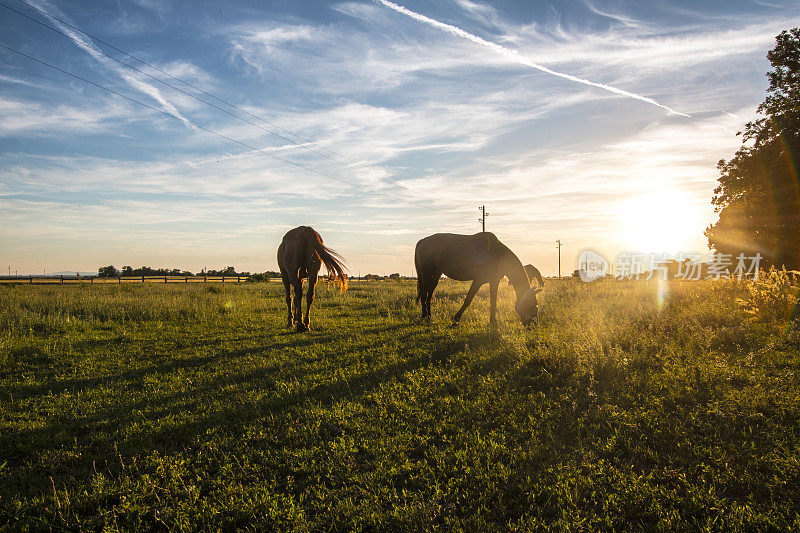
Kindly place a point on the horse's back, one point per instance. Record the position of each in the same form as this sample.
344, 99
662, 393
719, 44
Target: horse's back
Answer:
295, 250
438, 241
301, 234
455, 255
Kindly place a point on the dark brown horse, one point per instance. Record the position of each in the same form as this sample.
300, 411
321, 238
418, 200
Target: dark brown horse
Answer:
300, 255
480, 258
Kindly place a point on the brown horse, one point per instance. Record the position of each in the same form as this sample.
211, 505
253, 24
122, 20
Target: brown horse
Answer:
300, 255
480, 258
533, 273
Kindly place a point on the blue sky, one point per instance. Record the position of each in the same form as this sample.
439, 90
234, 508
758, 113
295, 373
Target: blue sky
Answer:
436, 107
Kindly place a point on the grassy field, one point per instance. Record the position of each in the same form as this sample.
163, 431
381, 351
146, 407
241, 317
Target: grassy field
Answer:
183, 407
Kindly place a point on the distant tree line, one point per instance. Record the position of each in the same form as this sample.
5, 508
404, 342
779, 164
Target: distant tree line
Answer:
263, 276
377, 277
111, 271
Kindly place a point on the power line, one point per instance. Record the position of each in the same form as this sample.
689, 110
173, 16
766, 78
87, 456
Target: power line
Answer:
349, 162
241, 143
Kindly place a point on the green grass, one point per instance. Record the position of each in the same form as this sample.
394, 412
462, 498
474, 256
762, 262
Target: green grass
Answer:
190, 407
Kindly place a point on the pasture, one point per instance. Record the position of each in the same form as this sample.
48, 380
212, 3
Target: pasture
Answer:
189, 406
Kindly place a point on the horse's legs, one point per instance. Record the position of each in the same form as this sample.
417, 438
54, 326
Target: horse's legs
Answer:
493, 303
473, 289
428, 282
432, 287
298, 305
425, 299
312, 280
423, 293
288, 288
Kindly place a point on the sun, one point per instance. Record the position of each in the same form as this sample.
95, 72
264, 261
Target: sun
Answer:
664, 220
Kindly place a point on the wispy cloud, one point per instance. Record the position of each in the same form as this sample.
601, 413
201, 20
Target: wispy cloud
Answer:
519, 58
20, 117
19, 81
622, 19
649, 50
87, 45
482, 12
447, 123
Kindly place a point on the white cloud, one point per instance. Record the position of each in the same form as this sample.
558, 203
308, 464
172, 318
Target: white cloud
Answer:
19, 117
13, 79
619, 18
453, 124
133, 78
646, 51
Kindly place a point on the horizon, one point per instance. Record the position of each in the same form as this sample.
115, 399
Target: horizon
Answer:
599, 124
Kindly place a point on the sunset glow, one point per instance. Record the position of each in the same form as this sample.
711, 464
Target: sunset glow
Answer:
377, 123
668, 221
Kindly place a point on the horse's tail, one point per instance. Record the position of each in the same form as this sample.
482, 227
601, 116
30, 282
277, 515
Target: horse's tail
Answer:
334, 263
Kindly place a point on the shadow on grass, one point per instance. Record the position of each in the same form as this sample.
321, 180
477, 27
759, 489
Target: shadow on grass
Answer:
146, 424
134, 377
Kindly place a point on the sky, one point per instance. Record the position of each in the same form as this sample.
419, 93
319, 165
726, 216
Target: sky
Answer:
597, 123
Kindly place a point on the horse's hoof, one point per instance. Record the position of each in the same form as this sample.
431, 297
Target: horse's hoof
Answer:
300, 327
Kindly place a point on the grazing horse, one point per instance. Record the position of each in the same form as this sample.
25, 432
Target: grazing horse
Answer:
480, 258
300, 255
533, 273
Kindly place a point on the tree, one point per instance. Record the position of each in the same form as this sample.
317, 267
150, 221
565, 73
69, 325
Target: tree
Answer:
758, 196
109, 271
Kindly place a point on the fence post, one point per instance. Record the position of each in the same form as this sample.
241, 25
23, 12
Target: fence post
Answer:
30, 279
119, 279
186, 279
165, 280
205, 278
237, 279
62, 279
91, 280
223, 279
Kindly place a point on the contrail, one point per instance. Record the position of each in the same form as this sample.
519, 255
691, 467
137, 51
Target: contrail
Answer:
44, 7
519, 58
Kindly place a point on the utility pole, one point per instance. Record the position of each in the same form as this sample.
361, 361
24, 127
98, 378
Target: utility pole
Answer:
482, 220
559, 258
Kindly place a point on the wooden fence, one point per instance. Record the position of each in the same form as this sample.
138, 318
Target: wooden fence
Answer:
66, 280
62, 280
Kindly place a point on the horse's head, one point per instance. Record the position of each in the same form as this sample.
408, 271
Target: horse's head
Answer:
526, 307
